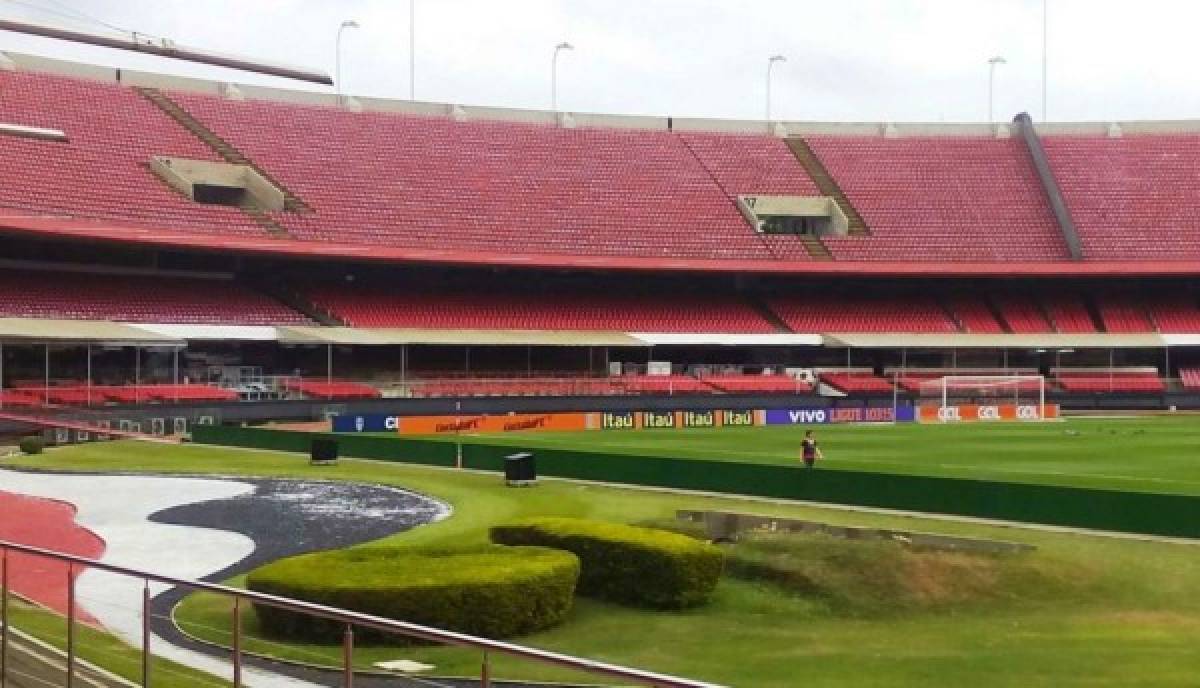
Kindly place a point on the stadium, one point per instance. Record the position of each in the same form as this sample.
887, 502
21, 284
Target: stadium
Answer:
208, 289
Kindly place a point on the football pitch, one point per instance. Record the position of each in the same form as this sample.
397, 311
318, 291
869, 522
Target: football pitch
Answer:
1151, 453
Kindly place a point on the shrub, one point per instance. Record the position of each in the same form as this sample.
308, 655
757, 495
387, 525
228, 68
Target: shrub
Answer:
490, 591
638, 566
32, 445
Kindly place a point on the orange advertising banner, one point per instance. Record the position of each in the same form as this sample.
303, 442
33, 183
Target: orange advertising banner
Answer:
983, 413
520, 422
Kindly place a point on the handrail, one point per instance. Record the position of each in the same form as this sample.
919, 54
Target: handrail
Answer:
405, 628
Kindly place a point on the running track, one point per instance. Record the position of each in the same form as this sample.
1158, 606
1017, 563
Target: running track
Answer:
49, 524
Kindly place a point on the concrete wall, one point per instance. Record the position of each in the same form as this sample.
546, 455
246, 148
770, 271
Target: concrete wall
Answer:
646, 122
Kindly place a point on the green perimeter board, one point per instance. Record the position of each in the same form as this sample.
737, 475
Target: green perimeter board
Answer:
1134, 512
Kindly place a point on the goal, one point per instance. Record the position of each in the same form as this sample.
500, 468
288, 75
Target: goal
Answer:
991, 397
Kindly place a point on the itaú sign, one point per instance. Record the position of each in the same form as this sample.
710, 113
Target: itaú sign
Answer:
983, 413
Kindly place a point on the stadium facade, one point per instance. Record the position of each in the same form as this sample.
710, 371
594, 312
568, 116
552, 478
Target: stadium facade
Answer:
204, 244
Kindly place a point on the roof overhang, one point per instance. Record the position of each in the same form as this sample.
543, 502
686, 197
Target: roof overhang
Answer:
390, 337
30, 330
68, 228
717, 339
1048, 341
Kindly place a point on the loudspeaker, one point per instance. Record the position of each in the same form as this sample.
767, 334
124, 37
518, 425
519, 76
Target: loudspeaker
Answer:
323, 451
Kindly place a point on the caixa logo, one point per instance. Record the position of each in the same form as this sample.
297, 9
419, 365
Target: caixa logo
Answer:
949, 413
1028, 413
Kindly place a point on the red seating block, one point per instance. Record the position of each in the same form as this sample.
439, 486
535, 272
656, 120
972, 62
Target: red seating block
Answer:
552, 310
127, 298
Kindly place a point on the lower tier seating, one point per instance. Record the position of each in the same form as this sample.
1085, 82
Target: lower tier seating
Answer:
831, 313
330, 389
138, 299
550, 310
749, 384
1190, 378
82, 395
852, 381
1100, 380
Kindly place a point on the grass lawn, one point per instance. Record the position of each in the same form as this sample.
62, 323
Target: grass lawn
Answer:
1152, 454
1098, 612
104, 650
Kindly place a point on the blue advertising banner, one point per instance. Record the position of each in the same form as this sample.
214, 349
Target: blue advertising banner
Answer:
813, 416
370, 422
800, 416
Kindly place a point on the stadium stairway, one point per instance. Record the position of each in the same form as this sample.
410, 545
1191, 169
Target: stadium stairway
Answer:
760, 305
297, 302
228, 153
825, 182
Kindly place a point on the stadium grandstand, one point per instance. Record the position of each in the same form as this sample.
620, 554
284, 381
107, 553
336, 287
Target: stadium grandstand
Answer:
209, 245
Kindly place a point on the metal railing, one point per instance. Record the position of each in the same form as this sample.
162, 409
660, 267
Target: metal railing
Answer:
350, 619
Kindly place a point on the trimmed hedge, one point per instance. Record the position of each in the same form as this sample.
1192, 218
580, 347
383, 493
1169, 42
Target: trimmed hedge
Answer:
490, 591
627, 564
32, 445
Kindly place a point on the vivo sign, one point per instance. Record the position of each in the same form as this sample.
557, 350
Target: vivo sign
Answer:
804, 416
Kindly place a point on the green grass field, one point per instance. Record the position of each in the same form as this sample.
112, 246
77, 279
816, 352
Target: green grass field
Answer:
1152, 454
1080, 611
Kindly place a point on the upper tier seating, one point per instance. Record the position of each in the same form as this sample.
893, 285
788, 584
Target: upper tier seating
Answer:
1099, 380
1133, 197
829, 313
553, 310
101, 171
941, 199
1022, 314
1069, 313
1124, 313
144, 299
1175, 313
484, 186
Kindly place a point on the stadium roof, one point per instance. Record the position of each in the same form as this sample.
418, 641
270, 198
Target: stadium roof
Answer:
996, 341
31, 330
386, 337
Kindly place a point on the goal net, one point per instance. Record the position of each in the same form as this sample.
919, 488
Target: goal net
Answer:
985, 397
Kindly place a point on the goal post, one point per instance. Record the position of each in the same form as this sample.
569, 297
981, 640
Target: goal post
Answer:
989, 397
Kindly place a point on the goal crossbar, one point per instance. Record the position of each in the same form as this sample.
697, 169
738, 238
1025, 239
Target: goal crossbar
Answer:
1034, 385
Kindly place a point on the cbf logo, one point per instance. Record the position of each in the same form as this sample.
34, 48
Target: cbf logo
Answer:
359, 423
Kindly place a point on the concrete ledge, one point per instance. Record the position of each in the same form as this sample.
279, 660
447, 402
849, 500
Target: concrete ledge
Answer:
727, 525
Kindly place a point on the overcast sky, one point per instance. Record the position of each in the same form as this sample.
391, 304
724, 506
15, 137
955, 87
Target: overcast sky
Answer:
875, 60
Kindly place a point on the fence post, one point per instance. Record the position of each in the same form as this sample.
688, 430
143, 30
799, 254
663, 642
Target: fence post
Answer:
348, 657
145, 632
3, 617
485, 673
237, 642
70, 624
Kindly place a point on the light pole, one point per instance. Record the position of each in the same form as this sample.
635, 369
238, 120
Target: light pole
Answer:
771, 63
554, 73
337, 58
412, 49
1045, 42
992, 62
